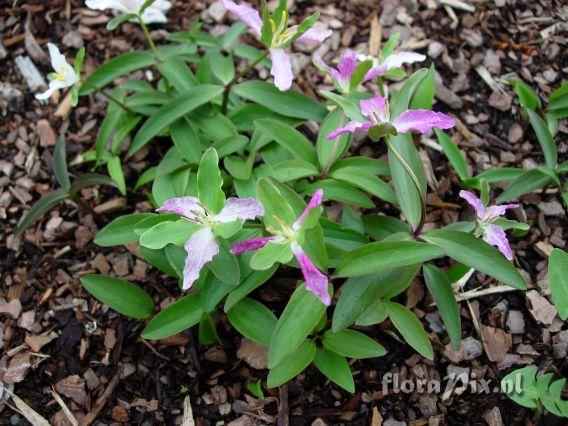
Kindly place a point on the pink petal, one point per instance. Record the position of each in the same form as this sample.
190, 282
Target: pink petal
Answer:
250, 245
315, 34
494, 212
374, 108
347, 65
245, 13
239, 208
316, 282
351, 127
495, 236
322, 65
200, 248
474, 202
281, 69
422, 120
315, 201
374, 72
184, 206
397, 59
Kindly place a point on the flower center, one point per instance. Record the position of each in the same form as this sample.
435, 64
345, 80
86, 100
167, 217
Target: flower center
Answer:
280, 35
285, 232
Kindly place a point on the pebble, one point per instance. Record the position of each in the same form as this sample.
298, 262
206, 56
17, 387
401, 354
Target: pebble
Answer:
515, 133
435, 49
217, 11
560, 345
516, 322
551, 208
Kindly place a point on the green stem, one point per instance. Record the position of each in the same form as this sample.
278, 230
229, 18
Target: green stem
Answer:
149, 39
237, 78
416, 182
330, 160
110, 97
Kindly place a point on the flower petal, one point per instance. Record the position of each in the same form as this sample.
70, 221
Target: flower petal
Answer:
281, 69
474, 202
316, 282
250, 245
239, 208
322, 65
351, 127
397, 59
53, 86
347, 65
200, 248
494, 212
495, 236
246, 14
315, 34
156, 13
422, 120
374, 72
105, 4
315, 201
374, 108
184, 206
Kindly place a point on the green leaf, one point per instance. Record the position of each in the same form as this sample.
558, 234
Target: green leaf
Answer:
365, 181
251, 282
290, 333
121, 230
330, 151
117, 20
294, 170
335, 368
404, 188
115, 172
60, 164
43, 205
270, 254
526, 394
253, 320
224, 68
410, 328
340, 191
186, 141
160, 260
178, 74
423, 97
275, 205
207, 333
558, 277
527, 182
230, 145
350, 109
213, 290
527, 96
455, 156
352, 344
544, 139
361, 292
116, 67
120, 295
224, 265
440, 288
383, 255
374, 314
177, 317
172, 111
400, 99
372, 165
289, 103
292, 365
175, 232
380, 227
477, 254
209, 182
289, 138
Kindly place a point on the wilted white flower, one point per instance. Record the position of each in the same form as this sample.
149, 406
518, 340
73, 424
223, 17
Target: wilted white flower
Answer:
64, 75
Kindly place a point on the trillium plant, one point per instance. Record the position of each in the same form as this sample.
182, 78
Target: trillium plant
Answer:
254, 185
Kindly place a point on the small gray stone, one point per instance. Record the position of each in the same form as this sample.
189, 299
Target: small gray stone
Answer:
435, 49
551, 208
217, 11
560, 345
516, 322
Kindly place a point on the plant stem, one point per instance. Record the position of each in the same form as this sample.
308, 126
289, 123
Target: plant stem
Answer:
237, 78
416, 182
331, 158
149, 39
110, 97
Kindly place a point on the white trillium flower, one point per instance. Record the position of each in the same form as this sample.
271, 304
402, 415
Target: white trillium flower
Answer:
155, 13
63, 76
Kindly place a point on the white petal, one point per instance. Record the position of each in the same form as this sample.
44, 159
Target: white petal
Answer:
397, 59
281, 69
53, 86
200, 248
239, 208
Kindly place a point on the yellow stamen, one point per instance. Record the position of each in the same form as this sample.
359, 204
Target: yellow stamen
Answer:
57, 76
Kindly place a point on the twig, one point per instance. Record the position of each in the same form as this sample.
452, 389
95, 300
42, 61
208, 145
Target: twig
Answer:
100, 403
65, 408
187, 419
484, 292
155, 351
283, 409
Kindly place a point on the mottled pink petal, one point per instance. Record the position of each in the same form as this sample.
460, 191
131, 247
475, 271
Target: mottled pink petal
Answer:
474, 202
245, 13
397, 59
315, 201
375, 72
422, 120
281, 69
250, 245
316, 282
374, 108
239, 208
315, 34
347, 65
322, 65
351, 127
495, 236
200, 248
494, 212
184, 206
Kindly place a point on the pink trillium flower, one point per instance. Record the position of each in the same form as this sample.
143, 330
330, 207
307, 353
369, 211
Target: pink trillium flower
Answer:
376, 110
396, 60
316, 281
281, 62
493, 234
202, 245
